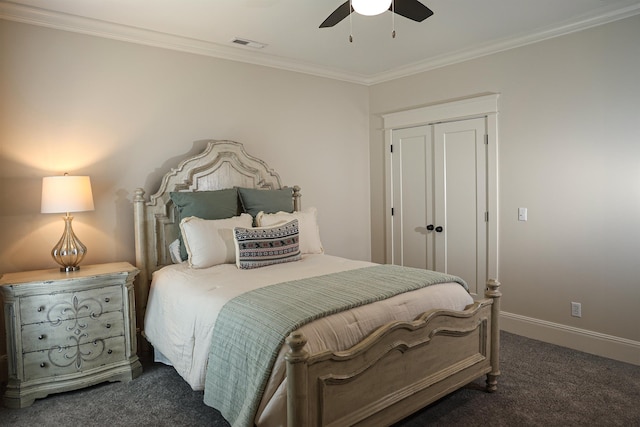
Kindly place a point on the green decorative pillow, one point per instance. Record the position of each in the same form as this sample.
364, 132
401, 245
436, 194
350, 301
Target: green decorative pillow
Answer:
259, 247
268, 201
219, 204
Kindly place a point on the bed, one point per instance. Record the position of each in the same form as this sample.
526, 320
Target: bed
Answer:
405, 351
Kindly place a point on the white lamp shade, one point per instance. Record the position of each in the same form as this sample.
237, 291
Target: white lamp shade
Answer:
66, 194
370, 7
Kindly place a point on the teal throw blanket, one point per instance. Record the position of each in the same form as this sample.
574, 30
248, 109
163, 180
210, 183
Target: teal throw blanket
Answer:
252, 327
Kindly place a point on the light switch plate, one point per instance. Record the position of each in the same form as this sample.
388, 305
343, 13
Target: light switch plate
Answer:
522, 214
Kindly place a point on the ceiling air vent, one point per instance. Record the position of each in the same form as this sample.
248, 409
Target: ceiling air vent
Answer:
248, 43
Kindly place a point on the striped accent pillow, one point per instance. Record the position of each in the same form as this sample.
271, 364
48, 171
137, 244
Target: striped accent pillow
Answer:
262, 246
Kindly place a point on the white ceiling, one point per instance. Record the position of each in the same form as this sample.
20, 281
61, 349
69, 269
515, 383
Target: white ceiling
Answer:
458, 30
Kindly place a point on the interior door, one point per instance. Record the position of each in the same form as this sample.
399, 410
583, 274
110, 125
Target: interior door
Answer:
413, 195
439, 197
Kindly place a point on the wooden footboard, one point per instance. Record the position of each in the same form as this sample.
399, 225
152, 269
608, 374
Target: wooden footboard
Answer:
397, 370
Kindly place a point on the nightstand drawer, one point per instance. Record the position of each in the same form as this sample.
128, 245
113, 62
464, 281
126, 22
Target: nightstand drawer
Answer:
73, 358
58, 307
42, 336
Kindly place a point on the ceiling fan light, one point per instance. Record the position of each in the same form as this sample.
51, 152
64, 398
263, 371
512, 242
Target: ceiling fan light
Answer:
370, 7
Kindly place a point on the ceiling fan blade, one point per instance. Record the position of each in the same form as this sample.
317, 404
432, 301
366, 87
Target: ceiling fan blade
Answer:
412, 9
338, 15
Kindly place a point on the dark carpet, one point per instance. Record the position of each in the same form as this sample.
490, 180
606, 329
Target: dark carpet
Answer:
541, 385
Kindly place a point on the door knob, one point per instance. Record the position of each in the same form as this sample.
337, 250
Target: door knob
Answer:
430, 227
439, 229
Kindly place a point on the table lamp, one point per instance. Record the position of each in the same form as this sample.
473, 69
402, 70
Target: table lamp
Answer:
64, 194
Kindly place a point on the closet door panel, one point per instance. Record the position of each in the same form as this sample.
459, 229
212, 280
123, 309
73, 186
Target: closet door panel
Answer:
460, 182
412, 188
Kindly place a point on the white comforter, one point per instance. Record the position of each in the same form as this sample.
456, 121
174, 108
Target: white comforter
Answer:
184, 303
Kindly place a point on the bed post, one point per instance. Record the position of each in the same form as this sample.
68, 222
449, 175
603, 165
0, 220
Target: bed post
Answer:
493, 291
297, 206
296, 359
142, 288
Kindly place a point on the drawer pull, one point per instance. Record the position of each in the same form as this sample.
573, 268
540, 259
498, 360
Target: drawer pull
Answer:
43, 365
41, 337
107, 299
40, 309
109, 351
108, 325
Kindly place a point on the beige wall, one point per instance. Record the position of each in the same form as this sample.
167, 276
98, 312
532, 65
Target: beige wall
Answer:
124, 114
569, 151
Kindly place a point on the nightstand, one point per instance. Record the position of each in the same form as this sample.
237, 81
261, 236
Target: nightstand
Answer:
68, 330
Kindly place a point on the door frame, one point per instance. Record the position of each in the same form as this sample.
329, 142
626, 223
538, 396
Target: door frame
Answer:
479, 106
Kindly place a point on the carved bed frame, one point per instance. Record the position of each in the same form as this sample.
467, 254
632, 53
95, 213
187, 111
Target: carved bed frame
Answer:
397, 370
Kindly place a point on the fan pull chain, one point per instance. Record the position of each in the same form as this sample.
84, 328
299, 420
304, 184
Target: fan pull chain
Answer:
393, 19
350, 22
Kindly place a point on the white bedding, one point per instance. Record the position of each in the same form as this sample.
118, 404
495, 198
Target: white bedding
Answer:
183, 306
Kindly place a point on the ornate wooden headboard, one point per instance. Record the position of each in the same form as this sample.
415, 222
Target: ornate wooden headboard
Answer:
222, 164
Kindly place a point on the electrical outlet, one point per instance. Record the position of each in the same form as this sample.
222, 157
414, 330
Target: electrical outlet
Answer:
576, 309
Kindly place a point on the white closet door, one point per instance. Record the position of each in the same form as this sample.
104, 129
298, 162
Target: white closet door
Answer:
439, 199
460, 172
412, 176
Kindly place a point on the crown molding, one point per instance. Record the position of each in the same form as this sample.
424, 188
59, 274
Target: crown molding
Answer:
98, 28
500, 46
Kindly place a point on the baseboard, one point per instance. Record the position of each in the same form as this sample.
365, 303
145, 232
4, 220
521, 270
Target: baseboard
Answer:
609, 346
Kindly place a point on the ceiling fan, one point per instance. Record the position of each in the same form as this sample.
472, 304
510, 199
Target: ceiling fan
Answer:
411, 9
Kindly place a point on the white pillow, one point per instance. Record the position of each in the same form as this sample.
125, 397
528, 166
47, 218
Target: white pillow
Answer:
210, 242
174, 251
308, 224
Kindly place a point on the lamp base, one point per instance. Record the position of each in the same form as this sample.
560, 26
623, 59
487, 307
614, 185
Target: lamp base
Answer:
69, 251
